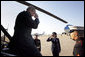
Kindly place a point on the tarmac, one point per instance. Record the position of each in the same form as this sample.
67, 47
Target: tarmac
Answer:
67, 45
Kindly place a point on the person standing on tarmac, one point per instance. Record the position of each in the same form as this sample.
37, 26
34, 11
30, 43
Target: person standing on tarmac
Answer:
55, 44
79, 49
37, 43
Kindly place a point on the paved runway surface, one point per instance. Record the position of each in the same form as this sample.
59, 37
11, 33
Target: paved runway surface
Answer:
67, 45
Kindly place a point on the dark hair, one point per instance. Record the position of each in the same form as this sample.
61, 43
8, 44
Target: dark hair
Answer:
54, 33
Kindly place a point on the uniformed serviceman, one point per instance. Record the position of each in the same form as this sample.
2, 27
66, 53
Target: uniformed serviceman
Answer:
37, 42
79, 46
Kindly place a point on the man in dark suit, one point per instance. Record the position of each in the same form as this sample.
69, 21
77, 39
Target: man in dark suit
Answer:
22, 41
37, 42
55, 44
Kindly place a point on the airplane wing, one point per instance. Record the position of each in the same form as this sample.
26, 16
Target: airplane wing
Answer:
38, 34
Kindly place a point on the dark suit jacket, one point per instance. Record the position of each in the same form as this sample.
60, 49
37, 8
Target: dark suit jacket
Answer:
22, 40
55, 44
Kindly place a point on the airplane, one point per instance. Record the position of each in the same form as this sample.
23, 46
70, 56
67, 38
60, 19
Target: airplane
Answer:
38, 34
67, 29
70, 28
39, 9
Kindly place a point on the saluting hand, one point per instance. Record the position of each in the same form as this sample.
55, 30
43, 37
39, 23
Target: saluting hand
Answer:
36, 15
51, 36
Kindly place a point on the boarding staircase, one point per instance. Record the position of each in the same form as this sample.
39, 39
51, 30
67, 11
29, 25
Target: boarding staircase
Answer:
5, 51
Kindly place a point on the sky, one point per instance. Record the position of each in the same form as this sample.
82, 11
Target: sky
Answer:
70, 11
